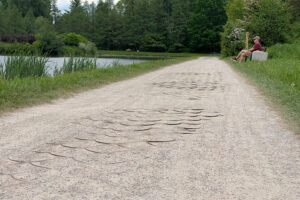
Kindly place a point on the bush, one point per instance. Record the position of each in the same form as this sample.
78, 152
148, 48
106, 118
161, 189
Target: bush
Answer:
270, 21
73, 51
90, 48
73, 39
233, 38
18, 48
153, 42
285, 51
50, 43
177, 48
17, 38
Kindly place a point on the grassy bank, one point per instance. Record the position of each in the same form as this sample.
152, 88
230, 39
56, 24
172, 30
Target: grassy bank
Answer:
24, 92
279, 79
134, 53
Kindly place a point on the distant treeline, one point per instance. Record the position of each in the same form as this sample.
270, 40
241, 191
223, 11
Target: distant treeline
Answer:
152, 25
148, 25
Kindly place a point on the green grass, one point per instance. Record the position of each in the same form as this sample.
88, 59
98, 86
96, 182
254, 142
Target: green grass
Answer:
23, 66
134, 53
279, 79
24, 92
77, 64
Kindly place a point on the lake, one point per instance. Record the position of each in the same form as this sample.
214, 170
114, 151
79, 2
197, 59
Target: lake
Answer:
101, 62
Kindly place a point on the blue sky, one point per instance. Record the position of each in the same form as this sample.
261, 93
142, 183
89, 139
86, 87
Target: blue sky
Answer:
64, 4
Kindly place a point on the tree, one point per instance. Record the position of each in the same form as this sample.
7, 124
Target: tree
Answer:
75, 4
28, 19
270, 21
205, 26
13, 21
108, 26
39, 7
54, 11
295, 4
178, 25
76, 20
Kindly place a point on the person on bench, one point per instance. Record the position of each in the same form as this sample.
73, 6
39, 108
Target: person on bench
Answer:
246, 52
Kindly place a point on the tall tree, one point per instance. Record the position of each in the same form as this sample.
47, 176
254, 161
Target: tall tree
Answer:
54, 11
206, 23
75, 4
75, 20
39, 7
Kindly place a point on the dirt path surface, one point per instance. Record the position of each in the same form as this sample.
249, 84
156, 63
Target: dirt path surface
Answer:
194, 130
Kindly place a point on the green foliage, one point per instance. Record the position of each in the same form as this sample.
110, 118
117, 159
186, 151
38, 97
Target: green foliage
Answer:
11, 20
39, 7
206, 23
270, 21
73, 51
294, 34
89, 48
153, 42
50, 43
73, 39
18, 48
285, 51
75, 21
295, 5
236, 9
233, 38
23, 66
77, 64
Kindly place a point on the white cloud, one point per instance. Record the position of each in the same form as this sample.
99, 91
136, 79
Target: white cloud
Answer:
65, 4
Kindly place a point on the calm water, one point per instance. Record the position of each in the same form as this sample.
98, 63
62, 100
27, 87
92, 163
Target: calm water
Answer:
101, 62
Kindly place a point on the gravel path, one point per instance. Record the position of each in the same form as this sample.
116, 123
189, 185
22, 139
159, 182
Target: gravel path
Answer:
190, 131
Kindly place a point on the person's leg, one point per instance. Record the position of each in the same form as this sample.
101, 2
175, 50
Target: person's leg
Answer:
242, 56
239, 55
242, 52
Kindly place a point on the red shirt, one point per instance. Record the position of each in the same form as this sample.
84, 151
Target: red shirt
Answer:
257, 47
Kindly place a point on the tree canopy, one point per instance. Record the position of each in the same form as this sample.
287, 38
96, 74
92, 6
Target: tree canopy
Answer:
156, 25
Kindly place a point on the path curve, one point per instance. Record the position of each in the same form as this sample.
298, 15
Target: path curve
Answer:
194, 130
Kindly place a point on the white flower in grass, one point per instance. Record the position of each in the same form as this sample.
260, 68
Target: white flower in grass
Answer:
293, 85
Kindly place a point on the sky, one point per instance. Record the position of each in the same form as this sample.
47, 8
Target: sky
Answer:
65, 4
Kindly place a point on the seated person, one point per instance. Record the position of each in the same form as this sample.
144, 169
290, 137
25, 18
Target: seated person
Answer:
245, 52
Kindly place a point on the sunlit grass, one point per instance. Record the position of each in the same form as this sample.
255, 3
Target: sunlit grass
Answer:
279, 79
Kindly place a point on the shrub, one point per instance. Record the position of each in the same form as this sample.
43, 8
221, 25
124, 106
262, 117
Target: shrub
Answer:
73, 39
270, 21
50, 43
285, 51
89, 48
17, 38
153, 42
73, 51
18, 48
176, 48
232, 38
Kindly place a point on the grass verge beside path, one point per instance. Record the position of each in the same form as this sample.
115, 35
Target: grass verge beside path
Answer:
160, 54
24, 92
278, 79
